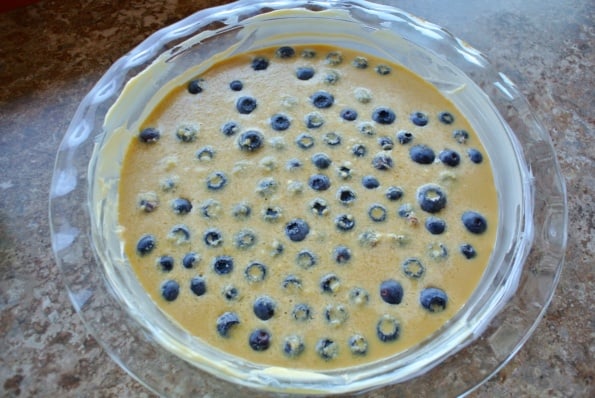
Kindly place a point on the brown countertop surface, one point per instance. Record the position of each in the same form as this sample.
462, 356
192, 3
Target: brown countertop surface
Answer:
53, 52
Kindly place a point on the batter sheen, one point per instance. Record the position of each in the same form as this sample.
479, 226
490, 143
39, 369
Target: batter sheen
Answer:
294, 205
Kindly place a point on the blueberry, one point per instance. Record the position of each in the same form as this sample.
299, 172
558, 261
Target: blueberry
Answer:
370, 182
366, 128
165, 263
308, 53
334, 58
419, 118
260, 340
216, 180
382, 161
255, 272
244, 239
460, 136
383, 70
213, 237
223, 265
264, 308
394, 193
145, 245
186, 133
391, 291
359, 296
319, 207
149, 135
383, 115
304, 72
377, 212
446, 117
280, 122
314, 120
260, 63
230, 292
331, 138
468, 251
405, 210
305, 259
285, 52
433, 299
195, 86
198, 285
250, 140
344, 171
292, 282
474, 222
322, 99
241, 211
236, 85
358, 345
277, 248
431, 198
148, 202
435, 225
359, 150
272, 213
348, 114
293, 164
388, 329
437, 251
346, 195
267, 187
321, 160
245, 105
297, 230
302, 312
230, 128
210, 209
327, 349
404, 137
449, 157
360, 62
205, 153
386, 143
413, 268
330, 283
342, 254
304, 141
331, 77
336, 315
190, 260
475, 156
225, 322
422, 154
293, 346
181, 206
344, 222
170, 290
319, 182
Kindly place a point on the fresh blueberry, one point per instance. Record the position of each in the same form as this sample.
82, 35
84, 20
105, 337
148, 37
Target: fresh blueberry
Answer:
327, 349
377, 212
383, 70
272, 213
332, 138
244, 239
186, 133
334, 58
230, 292
346, 195
149, 135
335, 315
302, 312
366, 128
205, 153
225, 322
322, 99
359, 296
475, 156
344, 171
383, 115
260, 63
305, 259
181, 206
292, 282
293, 346
474, 222
359, 150
314, 120
213, 237
264, 308
198, 285
449, 157
358, 345
319, 207
280, 122
405, 210
330, 283
297, 230
223, 265
431, 198
386, 143
165, 263
304, 141
433, 299
293, 164
419, 118
342, 254
236, 85
435, 225
190, 260
241, 211
446, 117
348, 114
413, 268
360, 62
388, 329
319, 182
404, 137
145, 245
460, 136
216, 180
382, 161
321, 160
250, 140
260, 340
468, 251
230, 128
422, 154
393, 193
391, 291
344, 222
370, 182
195, 86
285, 52
245, 105
170, 290
304, 72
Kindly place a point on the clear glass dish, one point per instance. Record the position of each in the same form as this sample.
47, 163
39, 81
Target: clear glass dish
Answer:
504, 310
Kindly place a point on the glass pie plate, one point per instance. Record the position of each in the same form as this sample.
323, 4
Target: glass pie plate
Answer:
501, 314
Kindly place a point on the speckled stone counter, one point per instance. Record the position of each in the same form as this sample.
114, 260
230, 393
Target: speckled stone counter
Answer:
52, 53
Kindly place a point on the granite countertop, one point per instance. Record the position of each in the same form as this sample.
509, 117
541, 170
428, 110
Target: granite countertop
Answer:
53, 52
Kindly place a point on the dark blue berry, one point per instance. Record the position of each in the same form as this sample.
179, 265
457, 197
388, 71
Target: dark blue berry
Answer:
216, 180
236, 85
327, 349
344, 222
195, 86
302, 312
223, 265
413, 268
435, 225
170, 290
322, 99
419, 118
245, 105
272, 214
468, 251
304, 72
391, 291
305, 259
332, 138
449, 158
260, 63
394, 193
388, 329
319, 182
382, 161
304, 141
346, 195
149, 135
359, 150
293, 346
198, 285
474, 222
181, 206
250, 140
292, 282
186, 133
460, 136
145, 245
244, 239
285, 52
264, 308
225, 322
342, 254
431, 198
370, 182
377, 212
360, 62
267, 187
297, 230
383, 70
446, 117
348, 114
205, 154
475, 156
230, 292
404, 137
213, 237
241, 211
280, 122
422, 154
330, 283
405, 210
165, 263
260, 340
358, 345
385, 143
321, 160
433, 299
293, 164
230, 128
190, 260
319, 206
383, 115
